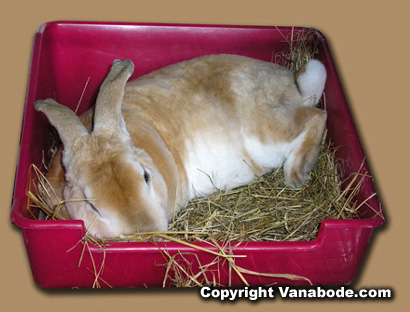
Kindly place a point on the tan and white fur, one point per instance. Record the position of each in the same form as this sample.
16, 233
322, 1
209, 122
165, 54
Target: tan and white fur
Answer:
153, 144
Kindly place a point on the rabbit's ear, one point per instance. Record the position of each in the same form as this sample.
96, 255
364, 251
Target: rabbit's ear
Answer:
66, 122
108, 116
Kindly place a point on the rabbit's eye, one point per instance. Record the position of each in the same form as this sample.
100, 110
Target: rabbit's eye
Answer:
95, 209
147, 176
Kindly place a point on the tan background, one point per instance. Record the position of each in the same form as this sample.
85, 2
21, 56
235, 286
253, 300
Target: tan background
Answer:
370, 45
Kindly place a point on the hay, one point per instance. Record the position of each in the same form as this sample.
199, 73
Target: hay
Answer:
302, 46
180, 272
268, 210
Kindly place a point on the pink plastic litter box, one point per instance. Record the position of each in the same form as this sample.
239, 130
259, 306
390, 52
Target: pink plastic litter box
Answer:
66, 54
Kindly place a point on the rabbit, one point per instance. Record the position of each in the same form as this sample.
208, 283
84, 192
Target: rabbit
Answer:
152, 144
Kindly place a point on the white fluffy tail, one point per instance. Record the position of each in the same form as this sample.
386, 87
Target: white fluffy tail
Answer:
311, 82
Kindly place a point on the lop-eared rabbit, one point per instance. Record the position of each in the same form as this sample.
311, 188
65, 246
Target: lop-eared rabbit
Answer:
154, 143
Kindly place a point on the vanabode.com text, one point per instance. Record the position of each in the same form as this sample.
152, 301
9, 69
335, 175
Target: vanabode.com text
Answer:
288, 292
